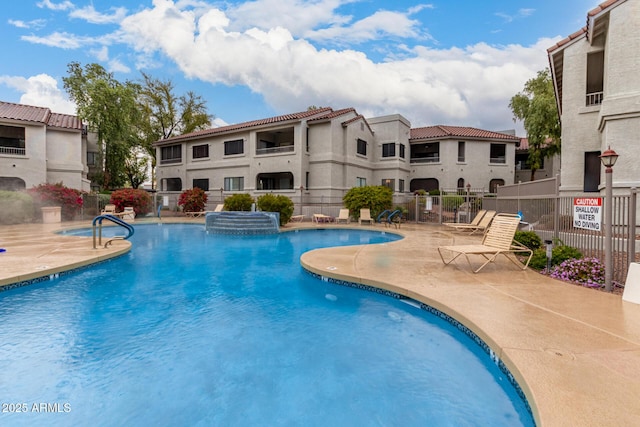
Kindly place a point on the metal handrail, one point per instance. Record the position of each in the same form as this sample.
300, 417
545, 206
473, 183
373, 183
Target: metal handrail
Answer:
116, 221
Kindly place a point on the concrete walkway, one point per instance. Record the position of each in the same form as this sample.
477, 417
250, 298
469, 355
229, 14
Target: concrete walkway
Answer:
574, 351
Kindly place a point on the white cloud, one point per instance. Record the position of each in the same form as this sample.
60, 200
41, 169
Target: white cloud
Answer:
41, 91
470, 86
61, 40
48, 4
35, 24
89, 14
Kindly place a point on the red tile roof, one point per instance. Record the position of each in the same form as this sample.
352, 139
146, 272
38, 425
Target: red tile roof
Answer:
30, 113
584, 30
432, 132
261, 122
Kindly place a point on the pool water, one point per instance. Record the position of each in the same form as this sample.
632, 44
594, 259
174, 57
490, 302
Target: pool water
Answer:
212, 330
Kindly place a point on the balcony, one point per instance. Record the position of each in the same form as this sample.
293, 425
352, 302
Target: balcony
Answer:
430, 159
13, 151
594, 98
274, 150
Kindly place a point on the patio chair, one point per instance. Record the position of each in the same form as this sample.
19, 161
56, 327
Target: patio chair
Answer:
111, 210
296, 218
343, 216
318, 218
219, 208
498, 240
481, 226
474, 221
365, 216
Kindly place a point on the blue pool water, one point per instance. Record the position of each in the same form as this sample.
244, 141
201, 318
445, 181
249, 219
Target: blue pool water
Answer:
213, 330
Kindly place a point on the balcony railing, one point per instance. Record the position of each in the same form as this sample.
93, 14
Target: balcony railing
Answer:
594, 98
169, 161
274, 150
13, 150
498, 159
434, 159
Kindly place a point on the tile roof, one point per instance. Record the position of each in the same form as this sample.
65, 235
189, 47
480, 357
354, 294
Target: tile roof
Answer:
26, 113
431, 132
30, 113
261, 122
66, 121
585, 30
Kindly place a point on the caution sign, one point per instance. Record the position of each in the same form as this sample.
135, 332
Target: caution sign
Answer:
587, 213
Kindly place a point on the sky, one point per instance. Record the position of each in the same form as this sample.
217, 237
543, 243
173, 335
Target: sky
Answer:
440, 62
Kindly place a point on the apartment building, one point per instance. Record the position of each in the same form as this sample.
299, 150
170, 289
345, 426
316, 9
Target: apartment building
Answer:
325, 152
38, 146
597, 85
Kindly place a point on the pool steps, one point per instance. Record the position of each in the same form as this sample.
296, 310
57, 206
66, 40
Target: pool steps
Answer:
243, 223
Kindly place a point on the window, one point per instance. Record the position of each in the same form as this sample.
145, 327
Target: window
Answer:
202, 183
92, 158
12, 140
171, 154
389, 150
362, 147
460, 183
461, 151
361, 182
498, 153
401, 185
592, 166
233, 147
389, 183
234, 183
401, 151
200, 151
306, 180
173, 184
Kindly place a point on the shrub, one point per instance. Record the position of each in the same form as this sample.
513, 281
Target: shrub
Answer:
238, 202
69, 199
139, 200
376, 198
528, 238
17, 207
559, 254
276, 203
585, 271
193, 200
451, 202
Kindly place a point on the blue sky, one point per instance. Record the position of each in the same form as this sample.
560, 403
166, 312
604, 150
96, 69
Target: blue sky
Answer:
450, 62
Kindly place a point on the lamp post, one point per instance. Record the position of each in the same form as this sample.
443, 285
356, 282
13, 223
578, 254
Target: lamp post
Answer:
608, 159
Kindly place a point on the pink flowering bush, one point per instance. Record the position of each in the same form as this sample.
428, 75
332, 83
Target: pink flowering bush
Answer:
139, 200
193, 200
69, 199
587, 272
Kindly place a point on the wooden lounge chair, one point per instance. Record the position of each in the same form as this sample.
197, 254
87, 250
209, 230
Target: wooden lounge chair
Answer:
481, 226
343, 216
474, 221
498, 240
365, 216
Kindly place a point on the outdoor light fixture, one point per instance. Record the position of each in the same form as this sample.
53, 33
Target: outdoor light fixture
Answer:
609, 158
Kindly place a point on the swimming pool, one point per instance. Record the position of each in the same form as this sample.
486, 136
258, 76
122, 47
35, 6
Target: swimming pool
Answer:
197, 329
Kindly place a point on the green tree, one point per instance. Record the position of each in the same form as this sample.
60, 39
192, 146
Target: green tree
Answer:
136, 168
109, 109
536, 107
164, 114
376, 198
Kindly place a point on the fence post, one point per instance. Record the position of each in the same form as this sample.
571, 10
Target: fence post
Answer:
631, 239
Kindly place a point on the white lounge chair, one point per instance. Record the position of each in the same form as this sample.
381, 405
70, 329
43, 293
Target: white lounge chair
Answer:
365, 216
343, 216
481, 226
498, 240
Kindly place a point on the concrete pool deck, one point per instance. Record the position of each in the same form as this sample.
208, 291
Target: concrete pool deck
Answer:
574, 351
